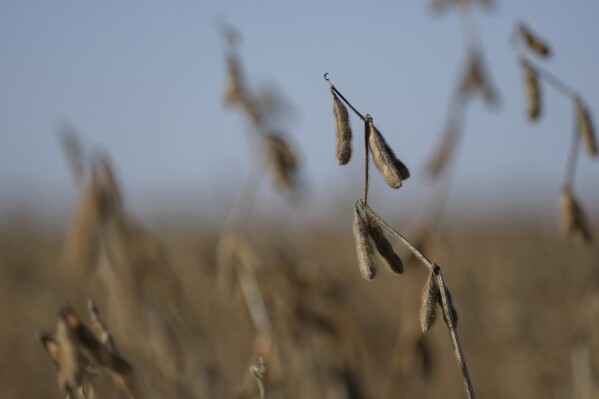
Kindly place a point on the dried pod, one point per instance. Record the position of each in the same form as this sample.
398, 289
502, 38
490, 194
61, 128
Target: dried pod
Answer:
112, 189
533, 91
573, 219
70, 362
585, 125
453, 314
392, 169
343, 131
82, 246
475, 79
364, 246
384, 248
430, 299
125, 381
534, 42
443, 152
282, 160
90, 345
73, 152
234, 90
51, 346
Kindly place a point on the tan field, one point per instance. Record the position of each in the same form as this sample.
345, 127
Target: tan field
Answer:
523, 295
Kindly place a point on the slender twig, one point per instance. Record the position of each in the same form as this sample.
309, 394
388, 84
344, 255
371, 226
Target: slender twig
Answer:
547, 76
367, 119
258, 371
366, 159
244, 203
378, 220
253, 299
561, 87
326, 77
455, 339
551, 79
572, 159
436, 270
469, 27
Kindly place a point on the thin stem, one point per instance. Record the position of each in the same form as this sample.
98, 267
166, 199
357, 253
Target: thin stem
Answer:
366, 161
373, 215
555, 82
436, 208
343, 98
550, 78
436, 270
455, 339
258, 371
572, 159
246, 198
253, 299
469, 28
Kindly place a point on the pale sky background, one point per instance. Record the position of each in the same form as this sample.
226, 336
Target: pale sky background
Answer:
143, 81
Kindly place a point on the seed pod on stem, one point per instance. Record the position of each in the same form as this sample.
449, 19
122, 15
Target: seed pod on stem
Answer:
534, 42
234, 90
574, 221
364, 246
453, 314
384, 248
343, 131
475, 79
392, 169
585, 125
430, 299
282, 160
533, 91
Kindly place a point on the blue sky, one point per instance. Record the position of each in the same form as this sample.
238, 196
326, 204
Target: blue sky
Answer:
143, 81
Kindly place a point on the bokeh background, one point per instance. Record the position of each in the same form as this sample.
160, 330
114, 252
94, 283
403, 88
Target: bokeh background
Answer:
143, 83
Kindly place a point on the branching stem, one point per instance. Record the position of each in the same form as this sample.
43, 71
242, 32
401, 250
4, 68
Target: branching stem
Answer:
367, 119
572, 159
366, 162
436, 270
343, 98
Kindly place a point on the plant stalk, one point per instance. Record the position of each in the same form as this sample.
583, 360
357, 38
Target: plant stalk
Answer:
436, 270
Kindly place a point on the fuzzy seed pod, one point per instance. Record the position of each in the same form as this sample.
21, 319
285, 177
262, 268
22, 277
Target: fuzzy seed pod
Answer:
364, 246
90, 345
475, 79
430, 299
384, 248
534, 42
282, 159
392, 169
71, 363
585, 125
453, 314
112, 189
343, 131
74, 153
234, 89
82, 246
573, 219
472, 78
533, 91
